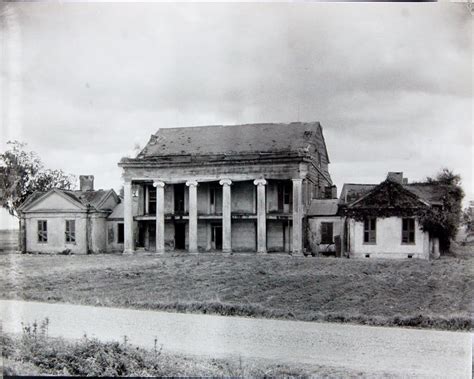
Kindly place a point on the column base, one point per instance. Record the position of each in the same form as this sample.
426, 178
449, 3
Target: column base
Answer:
128, 252
262, 252
228, 251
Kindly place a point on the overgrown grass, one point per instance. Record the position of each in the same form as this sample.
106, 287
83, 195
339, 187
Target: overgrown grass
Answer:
414, 293
34, 353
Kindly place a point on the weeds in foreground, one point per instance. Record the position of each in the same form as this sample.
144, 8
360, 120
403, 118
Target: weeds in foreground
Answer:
87, 356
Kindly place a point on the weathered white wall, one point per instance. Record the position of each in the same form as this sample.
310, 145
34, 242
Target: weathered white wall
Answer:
56, 233
314, 232
98, 232
112, 244
388, 240
244, 234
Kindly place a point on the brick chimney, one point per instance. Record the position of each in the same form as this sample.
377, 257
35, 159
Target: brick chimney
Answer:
86, 182
396, 177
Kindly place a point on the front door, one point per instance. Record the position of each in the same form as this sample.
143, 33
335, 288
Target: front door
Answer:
216, 237
152, 236
180, 236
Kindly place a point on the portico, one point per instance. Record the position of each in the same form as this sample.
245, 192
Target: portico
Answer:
249, 210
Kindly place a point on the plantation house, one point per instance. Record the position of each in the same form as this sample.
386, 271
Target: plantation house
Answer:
244, 188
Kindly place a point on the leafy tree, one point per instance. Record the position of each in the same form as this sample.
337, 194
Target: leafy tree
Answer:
444, 222
466, 218
22, 172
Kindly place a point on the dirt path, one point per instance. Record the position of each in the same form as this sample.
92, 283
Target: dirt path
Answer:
396, 351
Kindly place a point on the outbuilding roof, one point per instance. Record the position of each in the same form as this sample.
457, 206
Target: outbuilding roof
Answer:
431, 193
236, 139
94, 199
323, 207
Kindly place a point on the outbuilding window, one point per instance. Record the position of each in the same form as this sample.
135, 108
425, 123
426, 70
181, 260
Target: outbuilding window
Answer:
70, 231
327, 233
42, 231
408, 231
120, 232
370, 225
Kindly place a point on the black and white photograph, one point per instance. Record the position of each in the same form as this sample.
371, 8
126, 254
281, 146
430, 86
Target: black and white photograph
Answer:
236, 189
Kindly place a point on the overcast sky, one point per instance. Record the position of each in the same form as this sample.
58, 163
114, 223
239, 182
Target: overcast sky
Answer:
390, 83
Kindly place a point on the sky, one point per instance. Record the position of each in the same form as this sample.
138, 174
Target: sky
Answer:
85, 84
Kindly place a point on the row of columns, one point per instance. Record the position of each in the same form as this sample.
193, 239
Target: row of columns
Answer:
226, 216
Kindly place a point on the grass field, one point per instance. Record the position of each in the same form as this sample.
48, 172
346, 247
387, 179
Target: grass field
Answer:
376, 292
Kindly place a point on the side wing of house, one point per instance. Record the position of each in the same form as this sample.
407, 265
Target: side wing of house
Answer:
383, 224
55, 222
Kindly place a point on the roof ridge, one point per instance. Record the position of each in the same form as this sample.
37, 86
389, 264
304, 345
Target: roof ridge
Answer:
231, 125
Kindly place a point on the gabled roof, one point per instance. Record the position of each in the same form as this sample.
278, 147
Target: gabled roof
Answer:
351, 192
117, 213
236, 139
323, 207
389, 194
86, 199
431, 193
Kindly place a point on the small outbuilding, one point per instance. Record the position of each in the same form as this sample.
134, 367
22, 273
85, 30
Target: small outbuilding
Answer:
63, 221
383, 221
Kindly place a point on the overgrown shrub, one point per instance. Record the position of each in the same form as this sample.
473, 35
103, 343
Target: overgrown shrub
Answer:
87, 357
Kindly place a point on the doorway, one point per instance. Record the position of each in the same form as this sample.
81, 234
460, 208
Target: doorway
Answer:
216, 237
180, 236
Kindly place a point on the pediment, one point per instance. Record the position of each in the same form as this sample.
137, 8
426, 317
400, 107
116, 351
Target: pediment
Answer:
54, 201
389, 194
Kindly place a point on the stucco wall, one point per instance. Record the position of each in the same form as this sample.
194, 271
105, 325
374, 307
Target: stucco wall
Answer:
56, 233
112, 244
314, 232
388, 240
244, 235
98, 241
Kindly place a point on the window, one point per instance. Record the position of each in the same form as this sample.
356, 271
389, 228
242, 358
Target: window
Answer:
212, 195
42, 231
120, 232
408, 230
286, 194
151, 200
328, 192
327, 233
370, 230
70, 231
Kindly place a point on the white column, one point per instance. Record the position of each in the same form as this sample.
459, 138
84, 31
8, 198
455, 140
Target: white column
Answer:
160, 216
297, 216
261, 216
192, 204
129, 241
226, 216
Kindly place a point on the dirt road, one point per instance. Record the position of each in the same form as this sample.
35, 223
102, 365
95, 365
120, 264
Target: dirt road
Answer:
396, 351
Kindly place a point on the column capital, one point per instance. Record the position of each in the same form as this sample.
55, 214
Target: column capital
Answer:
225, 182
297, 180
260, 182
192, 183
158, 183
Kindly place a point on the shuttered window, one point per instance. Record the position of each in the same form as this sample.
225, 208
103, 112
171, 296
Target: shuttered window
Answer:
370, 225
327, 233
408, 231
42, 231
70, 231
